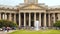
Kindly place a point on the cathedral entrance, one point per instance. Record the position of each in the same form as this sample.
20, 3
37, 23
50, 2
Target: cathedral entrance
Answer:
29, 20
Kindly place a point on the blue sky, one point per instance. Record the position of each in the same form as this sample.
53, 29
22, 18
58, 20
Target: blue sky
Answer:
16, 2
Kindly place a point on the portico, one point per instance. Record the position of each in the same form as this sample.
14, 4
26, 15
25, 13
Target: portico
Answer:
44, 19
28, 19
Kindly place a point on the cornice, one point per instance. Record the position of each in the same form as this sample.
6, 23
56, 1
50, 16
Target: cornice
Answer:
9, 9
53, 9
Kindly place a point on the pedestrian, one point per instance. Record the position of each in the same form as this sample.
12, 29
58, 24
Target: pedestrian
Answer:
8, 29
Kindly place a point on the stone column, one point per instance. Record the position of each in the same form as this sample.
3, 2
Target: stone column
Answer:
29, 19
15, 17
5, 16
34, 18
54, 17
19, 19
24, 19
40, 19
49, 20
45, 20
10, 17
58, 16
0, 16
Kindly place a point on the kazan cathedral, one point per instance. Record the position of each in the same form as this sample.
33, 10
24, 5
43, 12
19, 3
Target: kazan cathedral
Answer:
29, 13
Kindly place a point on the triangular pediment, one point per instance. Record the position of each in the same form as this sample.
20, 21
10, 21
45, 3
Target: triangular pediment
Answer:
32, 7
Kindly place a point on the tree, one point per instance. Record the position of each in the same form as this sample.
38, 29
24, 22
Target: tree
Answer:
6, 23
57, 24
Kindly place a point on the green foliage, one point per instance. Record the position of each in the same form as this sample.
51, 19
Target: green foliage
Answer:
57, 24
6, 23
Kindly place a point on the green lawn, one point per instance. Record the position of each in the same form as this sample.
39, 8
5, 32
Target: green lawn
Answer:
36, 32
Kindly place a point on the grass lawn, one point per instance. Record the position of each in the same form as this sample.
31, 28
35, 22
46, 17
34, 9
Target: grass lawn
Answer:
36, 32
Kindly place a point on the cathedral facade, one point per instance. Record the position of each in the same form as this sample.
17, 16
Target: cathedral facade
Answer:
27, 13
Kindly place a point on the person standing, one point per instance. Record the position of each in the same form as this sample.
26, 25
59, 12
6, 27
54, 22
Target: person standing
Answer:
8, 29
